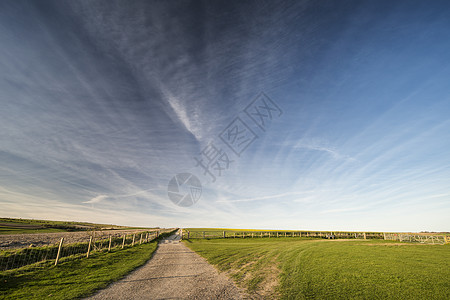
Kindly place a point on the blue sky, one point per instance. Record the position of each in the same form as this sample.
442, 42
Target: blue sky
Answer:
104, 102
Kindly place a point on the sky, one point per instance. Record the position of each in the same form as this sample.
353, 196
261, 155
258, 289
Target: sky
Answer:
307, 115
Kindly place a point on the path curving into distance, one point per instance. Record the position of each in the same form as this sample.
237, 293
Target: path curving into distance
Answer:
174, 272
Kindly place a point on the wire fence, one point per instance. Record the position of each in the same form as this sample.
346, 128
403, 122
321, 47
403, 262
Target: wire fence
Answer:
402, 237
186, 234
13, 260
418, 238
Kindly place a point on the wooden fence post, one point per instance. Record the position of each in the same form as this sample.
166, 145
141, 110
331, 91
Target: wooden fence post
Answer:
188, 234
252, 234
109, 246
285, 234
89, 247
123, 240
269, 234
134, 236
146, 237
384, 235
224, 234
59, 251
140, 241
364, 235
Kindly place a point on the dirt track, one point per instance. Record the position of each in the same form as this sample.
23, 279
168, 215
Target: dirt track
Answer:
174, 272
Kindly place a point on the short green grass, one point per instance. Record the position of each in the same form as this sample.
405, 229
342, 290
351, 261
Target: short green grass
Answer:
298, 268
74, 278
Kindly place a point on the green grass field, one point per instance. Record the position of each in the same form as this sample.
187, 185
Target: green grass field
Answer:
299, 268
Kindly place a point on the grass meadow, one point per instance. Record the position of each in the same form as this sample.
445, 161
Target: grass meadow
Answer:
307, 268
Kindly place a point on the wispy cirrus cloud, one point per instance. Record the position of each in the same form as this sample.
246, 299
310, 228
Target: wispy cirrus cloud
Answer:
322, 146
97, 199
268, 197
103, 102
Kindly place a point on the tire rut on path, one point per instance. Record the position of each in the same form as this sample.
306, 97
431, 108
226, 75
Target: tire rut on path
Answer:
174, 272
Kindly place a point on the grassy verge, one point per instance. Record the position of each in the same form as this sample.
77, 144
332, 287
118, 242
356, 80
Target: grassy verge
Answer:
297, 268
74, 278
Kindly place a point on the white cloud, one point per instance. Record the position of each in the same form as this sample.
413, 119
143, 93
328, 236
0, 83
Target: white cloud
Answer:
181, 111
322, 146
264, 197
97, 199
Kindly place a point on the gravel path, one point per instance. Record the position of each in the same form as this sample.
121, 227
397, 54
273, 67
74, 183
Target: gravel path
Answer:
174, 272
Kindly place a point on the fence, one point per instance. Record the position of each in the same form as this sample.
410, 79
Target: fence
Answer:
40, 257
421, 238
277, 234
418, 238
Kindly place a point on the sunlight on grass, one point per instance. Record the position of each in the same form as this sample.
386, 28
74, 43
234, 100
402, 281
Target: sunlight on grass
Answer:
339, 269
75, 278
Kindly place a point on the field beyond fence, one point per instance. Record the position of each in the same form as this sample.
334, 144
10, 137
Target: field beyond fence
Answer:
423, 238
314, 268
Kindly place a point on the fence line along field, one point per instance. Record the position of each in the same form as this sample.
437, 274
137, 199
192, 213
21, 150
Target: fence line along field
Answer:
22, 252
213, 233
19, 233
78, 276
13, 241
295, 267
91, 241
